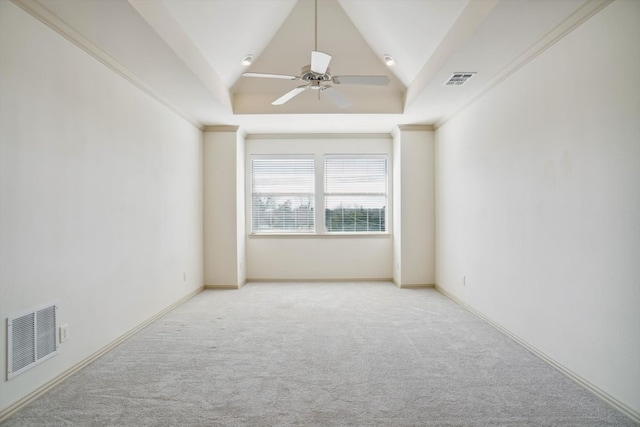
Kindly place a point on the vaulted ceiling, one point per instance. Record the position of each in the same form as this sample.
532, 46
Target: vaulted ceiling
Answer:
187, 53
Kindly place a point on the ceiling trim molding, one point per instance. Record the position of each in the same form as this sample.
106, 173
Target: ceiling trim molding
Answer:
221, 128
474, 13
415, 128
51, 20
581, 15
163, 23
397, 131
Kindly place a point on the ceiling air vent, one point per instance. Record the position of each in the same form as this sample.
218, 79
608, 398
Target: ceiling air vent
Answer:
458, 79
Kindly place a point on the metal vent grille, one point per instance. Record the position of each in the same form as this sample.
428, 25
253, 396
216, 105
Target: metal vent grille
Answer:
23, 351
458, 79
46, 329
32, 339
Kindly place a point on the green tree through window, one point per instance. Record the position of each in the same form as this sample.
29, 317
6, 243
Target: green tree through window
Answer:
355, 193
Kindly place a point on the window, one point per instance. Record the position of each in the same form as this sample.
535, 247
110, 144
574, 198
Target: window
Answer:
355, 193
351, 194
283, 194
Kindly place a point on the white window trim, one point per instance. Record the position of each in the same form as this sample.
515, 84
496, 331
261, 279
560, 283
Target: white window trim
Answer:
250, 198
323, 197
319, 145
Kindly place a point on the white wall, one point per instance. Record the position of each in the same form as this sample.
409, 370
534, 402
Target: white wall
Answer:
318, 257
224, 235
100, 197
414, 203
241, 232
397, 212
538, 203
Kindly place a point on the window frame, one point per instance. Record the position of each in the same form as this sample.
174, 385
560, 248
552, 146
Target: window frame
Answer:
251, 192
372, 156
355, 145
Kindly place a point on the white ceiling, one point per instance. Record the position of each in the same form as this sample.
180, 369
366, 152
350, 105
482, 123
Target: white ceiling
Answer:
187, 53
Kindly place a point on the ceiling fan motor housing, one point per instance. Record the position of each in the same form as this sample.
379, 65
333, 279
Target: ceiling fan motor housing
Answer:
309, 76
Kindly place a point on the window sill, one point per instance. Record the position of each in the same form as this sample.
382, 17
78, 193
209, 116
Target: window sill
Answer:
320, 236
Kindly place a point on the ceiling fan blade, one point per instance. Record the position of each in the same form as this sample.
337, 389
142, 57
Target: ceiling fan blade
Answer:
361, 80
339, 99
287, 96
319, 62
271, 76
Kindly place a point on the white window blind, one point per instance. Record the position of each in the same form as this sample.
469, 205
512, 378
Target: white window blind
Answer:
355, 193
283, 193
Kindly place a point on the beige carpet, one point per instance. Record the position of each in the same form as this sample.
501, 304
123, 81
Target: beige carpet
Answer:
330, 354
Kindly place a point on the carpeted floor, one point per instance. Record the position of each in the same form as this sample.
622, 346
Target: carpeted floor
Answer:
319, 354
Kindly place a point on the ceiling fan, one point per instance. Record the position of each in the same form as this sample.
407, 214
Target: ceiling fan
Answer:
317, 76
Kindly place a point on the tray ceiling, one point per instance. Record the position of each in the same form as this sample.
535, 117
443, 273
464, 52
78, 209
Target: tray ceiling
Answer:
187, 53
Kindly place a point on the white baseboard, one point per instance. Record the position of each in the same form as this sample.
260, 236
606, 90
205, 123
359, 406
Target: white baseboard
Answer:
358, 280
634, 415
15, 407
6, 413
413, 286
222, 287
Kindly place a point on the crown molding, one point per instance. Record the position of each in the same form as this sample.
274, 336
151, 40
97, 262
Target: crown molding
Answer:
573, 21
221, 128
471, 18
395, 133
50, 19
415, 128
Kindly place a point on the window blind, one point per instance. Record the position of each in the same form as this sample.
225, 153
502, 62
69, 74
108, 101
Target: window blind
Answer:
355, 193
283, 193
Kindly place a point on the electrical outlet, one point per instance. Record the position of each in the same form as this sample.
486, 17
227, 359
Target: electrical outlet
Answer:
64, 333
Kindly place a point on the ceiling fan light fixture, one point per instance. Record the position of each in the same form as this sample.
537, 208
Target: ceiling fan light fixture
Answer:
388, 60
247, 60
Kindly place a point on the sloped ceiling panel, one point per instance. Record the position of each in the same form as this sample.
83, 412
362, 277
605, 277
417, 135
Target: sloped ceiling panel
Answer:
290, 50
227, 31
502, 37
179, 56
123, 37
409, 31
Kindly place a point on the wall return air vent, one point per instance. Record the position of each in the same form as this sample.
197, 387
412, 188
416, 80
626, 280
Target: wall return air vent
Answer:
458, 79
31, 339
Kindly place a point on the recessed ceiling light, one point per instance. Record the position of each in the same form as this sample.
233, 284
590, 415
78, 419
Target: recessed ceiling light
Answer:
247, 60
388, 60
